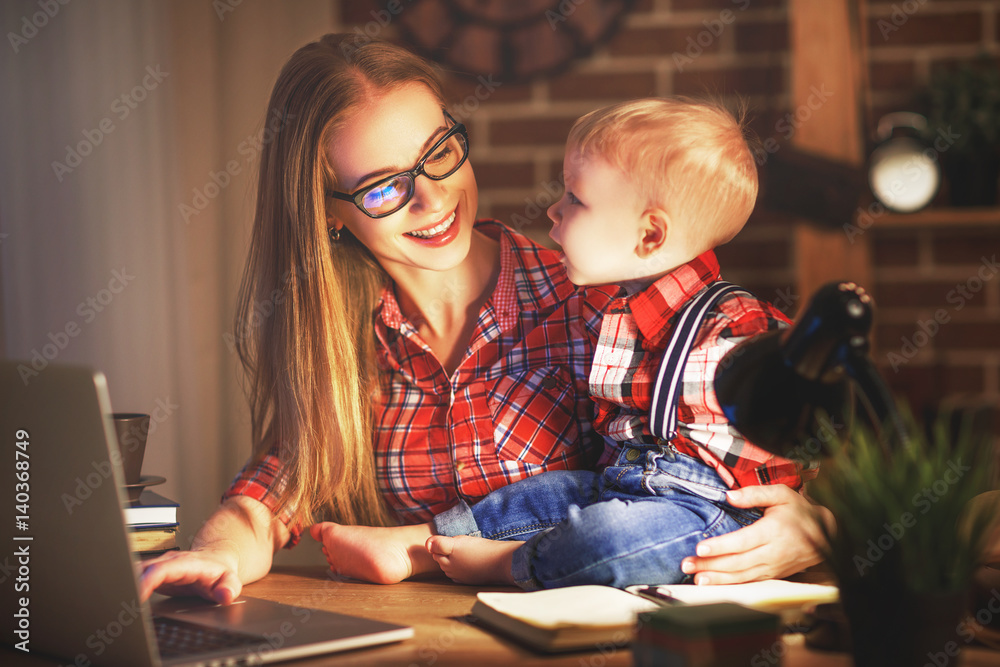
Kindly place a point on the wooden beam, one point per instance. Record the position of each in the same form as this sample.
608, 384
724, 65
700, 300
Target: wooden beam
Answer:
826, 85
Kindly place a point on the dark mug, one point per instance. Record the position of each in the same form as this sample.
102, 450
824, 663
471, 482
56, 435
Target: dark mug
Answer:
132, 429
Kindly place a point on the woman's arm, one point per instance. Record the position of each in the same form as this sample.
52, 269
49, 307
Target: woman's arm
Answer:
234, 547
784, 541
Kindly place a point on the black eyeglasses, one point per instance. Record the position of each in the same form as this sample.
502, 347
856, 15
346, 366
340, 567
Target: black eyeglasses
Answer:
393, 192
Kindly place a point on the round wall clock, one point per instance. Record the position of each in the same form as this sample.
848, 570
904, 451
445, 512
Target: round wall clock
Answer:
509, 40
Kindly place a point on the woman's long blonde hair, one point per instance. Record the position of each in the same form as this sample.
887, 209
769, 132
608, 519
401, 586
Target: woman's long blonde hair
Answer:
304, 320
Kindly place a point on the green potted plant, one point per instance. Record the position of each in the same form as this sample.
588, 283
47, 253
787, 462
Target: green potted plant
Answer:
963, 112
907, 539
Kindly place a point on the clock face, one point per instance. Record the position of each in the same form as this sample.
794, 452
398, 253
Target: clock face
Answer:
509, 40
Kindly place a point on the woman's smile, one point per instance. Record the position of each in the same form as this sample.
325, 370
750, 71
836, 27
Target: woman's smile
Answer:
436, 230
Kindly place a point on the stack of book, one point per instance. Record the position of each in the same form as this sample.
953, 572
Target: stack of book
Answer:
152, 524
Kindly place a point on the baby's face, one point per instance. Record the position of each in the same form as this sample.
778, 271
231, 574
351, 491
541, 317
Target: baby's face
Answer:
597, 222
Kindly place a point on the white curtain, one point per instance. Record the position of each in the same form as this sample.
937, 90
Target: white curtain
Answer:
128, 134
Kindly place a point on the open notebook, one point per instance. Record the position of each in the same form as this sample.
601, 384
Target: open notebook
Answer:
563, 619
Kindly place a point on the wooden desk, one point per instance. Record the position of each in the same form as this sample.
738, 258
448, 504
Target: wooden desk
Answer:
437, 609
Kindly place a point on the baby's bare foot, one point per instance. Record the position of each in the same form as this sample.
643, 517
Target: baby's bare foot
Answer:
473, 560
378, 555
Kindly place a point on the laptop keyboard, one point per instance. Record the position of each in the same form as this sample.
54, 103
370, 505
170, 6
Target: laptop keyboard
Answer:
177, 639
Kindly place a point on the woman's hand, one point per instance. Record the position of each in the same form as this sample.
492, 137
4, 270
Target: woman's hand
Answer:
783, 541
234, 546
210, 573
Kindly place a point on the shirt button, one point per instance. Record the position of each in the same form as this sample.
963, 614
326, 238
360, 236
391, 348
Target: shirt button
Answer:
549, 382
631, 454
459, 465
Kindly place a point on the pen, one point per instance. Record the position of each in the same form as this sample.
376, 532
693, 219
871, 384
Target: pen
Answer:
656, 595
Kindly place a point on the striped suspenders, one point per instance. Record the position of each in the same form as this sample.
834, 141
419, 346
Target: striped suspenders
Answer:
663, 414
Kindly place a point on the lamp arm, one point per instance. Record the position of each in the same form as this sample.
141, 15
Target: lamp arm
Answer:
878, 401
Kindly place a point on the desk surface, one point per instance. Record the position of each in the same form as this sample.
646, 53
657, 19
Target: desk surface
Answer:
438, 611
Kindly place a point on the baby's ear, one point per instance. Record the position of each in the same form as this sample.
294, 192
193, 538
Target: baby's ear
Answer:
653, 230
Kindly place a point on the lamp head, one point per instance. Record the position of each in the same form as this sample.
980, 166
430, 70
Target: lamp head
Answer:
771, 386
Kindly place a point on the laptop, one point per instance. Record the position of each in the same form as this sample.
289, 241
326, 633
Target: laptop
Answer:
69, 587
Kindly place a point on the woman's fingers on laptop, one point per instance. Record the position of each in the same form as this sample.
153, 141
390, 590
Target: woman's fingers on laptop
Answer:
190, 573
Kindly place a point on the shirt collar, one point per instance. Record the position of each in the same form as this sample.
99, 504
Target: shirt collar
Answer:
388, 308
504, 298
655, 307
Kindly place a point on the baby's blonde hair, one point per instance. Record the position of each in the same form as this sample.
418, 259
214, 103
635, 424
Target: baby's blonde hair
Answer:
692, 158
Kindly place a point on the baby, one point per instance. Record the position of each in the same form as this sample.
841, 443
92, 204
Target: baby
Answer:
652, 187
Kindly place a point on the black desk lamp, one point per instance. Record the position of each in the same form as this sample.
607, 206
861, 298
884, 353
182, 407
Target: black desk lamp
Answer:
771, 386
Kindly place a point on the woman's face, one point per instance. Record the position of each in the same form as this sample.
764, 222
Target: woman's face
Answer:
388, 135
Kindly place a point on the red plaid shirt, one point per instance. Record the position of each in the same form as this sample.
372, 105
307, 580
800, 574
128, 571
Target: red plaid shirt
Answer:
516, 406
634, 334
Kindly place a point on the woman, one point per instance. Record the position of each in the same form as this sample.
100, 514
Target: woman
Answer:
414, 357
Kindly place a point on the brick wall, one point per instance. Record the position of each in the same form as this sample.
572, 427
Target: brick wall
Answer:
938, 290
939, 274
728, 47
663, 47
659, 50
908, 40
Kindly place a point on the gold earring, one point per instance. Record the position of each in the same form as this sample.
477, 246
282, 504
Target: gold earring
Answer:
334, 235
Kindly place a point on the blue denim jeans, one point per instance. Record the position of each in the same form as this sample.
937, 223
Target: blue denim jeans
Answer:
631, 523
